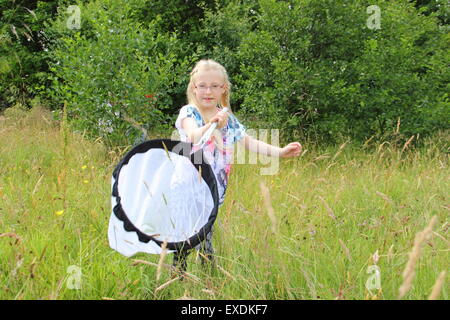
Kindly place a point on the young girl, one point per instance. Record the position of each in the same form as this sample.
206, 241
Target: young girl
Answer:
208, 93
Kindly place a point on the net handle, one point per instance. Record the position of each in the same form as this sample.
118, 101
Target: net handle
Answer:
208, 133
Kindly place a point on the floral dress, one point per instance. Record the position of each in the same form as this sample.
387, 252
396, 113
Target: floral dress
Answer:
218, 150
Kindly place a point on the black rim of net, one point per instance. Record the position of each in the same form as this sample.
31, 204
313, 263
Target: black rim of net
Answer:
183, 149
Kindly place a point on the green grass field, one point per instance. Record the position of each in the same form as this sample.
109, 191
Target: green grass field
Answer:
336, 213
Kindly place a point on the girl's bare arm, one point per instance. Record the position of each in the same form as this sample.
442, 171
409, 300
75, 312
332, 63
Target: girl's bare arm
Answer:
293, 149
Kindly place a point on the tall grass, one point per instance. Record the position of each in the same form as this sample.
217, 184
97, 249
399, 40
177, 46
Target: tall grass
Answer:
310, 232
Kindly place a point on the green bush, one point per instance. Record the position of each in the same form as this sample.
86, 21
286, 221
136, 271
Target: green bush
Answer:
317, 67
310, 68
438, 8
116, 74
23, 59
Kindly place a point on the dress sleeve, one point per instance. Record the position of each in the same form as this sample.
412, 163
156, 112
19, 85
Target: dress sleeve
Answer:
187, 111
237, 130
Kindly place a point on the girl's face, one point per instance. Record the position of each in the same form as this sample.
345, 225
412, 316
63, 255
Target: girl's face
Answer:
209, 87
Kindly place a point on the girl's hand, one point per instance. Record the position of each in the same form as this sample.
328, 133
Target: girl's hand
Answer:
293, 149
221, 118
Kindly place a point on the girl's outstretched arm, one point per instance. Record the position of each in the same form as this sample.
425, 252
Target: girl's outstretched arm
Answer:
293, 149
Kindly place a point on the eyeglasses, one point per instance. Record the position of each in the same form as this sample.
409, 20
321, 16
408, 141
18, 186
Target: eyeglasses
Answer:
204, 87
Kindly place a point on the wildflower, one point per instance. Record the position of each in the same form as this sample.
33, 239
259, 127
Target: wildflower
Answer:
59, 213
84, 167
86, 181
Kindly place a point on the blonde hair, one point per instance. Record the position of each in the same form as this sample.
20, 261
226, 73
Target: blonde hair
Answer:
206, 65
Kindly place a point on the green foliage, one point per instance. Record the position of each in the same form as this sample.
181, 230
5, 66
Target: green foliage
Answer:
311, 68
402, 74
115, 73
22, 57
438, 8
315, 65
180, 16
